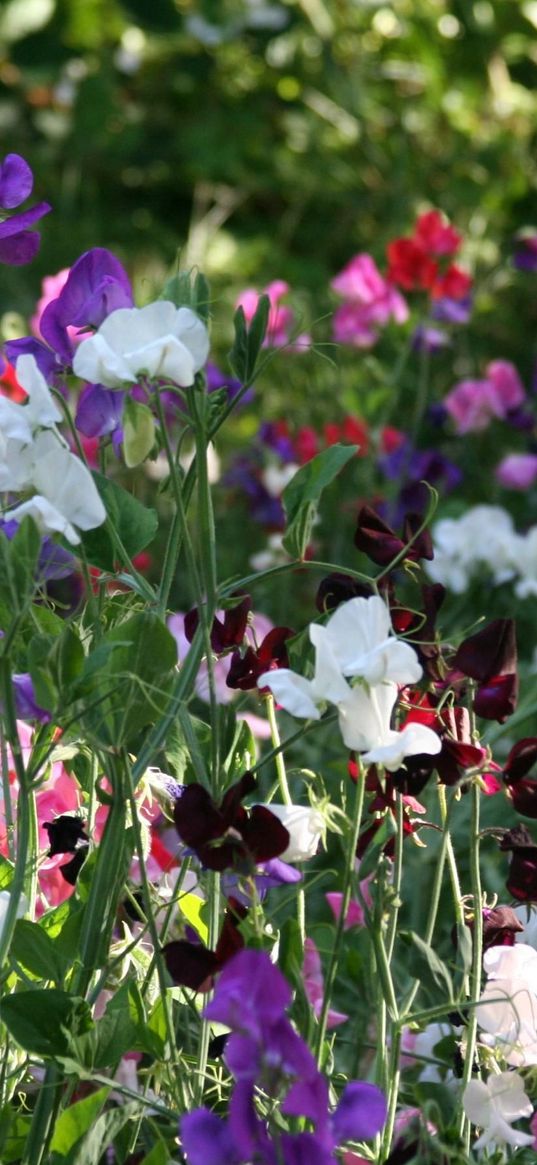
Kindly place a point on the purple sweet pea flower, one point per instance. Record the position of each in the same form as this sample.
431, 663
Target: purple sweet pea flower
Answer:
18, 244
99, 410
452, 311
54, 563
269, 875
207, 1140
251, 993
360, 1114
97, 285
47, 361
26, 705
525, 253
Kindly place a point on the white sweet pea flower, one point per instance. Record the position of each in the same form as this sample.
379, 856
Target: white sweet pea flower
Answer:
158, 340
4, 904
361, 638
507, 1009
67, 497
305, 826
40, 409
16, 463
494, 1106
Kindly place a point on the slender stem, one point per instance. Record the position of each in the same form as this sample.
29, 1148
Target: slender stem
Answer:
213, 896
345, 899
278, 754
477, 952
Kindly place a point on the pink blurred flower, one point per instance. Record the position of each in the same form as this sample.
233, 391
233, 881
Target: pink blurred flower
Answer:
281, 317
51, 287
473, 403
355, 912
371, 301
314, 984
517, 470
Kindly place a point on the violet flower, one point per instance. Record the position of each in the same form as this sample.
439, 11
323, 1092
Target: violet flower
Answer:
18, 244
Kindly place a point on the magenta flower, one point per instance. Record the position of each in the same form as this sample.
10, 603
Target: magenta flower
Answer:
18, 244
281, 317
472, 404
371, 301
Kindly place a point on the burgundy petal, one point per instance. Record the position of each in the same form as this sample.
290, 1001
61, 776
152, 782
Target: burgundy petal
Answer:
189, 964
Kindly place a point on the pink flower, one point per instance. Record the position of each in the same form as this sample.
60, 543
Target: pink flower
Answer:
517, 470
473, 403
314, 984
371, 301
51, 287
281, 317
355, 912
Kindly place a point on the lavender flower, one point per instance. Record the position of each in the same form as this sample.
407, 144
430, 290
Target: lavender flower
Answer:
18, 244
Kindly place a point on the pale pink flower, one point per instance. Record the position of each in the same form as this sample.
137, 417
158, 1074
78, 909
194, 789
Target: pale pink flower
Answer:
517, 470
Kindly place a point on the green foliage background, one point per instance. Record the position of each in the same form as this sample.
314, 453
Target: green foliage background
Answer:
271, 139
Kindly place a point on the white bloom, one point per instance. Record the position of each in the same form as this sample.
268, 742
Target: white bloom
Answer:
527, 915
494, 1106
67, 495
275, 478
16, 463
507, 1009
305, 826
5, 897
525, 556
360, 637
483, 539
434, 1071
158, 340
41, 409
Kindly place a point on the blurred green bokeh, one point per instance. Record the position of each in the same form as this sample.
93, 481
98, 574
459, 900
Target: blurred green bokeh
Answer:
269, 138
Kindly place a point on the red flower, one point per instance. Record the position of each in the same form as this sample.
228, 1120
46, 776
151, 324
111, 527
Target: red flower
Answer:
436, 235
410, 266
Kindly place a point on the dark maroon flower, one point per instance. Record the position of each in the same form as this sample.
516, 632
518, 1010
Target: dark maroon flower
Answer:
228, 836
381, 544
490, 657
522, 789
522, 879
66, 836
227, 632
338, 588
500, 925
190, 964
246, 668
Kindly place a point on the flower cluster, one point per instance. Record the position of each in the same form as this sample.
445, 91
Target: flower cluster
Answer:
462, 555
357, 642
265, 1052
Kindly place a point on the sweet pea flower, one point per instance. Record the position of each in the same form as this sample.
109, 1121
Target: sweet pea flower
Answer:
18, 244
494, 1106
371, 301
305, 826
67, 499
158, 341
517, 471
472, 404
507, 1009
312, 975
280, 319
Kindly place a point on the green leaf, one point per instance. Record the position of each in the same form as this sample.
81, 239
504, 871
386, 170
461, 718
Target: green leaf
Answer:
158, 1155
76, 1120
37, 952
301, 496
135, 525
126, 680
45, 1022
423, 963
248, 342
138, 432
18, 565
55, 663
90, 1150
6, 872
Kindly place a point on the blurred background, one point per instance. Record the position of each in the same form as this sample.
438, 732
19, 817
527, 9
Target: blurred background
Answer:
264, 139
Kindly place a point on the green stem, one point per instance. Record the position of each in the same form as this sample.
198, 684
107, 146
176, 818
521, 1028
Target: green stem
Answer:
345, 899
477, 953
213, 897
278, 753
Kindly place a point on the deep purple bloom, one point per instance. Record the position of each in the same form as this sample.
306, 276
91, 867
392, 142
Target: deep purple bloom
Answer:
217, 379
207, 1140
452, 311
525, 253
26, 704
54, 562
97, 285
251, 994
18, 244
360, 1114
268, 875
99, 410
